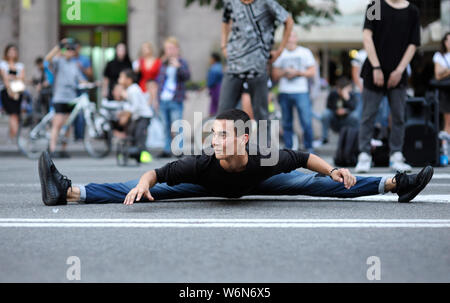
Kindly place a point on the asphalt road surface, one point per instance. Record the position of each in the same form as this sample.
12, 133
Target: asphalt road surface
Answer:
269, 239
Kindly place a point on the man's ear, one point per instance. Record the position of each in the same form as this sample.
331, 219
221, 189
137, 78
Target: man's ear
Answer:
246, 139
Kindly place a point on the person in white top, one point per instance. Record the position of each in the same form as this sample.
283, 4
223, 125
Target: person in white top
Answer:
12, 74
293, 69
137, 107
442, 71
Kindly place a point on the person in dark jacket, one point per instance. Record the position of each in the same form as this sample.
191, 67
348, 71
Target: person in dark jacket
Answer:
340, 109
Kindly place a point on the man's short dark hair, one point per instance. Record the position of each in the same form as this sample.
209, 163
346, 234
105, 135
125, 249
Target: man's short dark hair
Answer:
130, 74
237, 116
39, 60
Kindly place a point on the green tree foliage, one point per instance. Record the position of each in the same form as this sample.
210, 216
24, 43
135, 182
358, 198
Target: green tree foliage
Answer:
304, 12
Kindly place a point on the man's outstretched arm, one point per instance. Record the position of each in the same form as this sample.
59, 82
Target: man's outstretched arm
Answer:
339, 175
147, 181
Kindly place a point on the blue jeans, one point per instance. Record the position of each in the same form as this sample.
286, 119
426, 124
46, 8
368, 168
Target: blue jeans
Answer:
302, 103
330, 119
171, 111
292, 184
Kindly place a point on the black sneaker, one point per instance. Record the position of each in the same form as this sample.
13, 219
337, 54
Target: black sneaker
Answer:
409, 186
54, 185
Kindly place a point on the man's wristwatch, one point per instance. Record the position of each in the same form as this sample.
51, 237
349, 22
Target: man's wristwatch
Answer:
334, 169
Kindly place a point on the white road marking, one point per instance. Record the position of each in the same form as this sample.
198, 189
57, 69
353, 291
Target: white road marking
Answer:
422, 198
223, 223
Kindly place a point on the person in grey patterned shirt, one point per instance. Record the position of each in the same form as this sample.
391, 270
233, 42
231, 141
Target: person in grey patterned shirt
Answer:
247, 38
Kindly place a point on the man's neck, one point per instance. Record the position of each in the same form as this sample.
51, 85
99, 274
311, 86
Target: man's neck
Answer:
235, 164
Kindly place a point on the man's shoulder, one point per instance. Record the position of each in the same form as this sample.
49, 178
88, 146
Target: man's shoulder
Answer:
414, 8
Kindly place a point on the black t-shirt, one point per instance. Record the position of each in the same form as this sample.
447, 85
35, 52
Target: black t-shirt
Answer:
206, 171
112, 72
392, 34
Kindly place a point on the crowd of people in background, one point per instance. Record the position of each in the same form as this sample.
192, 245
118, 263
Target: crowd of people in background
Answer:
375, 94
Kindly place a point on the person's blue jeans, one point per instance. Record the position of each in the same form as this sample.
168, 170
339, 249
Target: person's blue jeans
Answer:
170, 111
302, 103
330, 119
292, 184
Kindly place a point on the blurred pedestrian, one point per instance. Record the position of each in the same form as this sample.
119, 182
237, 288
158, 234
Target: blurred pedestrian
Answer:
147, 67
442, 72
113, 69
391, 43
215, 76
340, 111
12, 86
293, 69
42, 82
358, 82
85, 66
137, 108
67, 78
247, 41
172, 80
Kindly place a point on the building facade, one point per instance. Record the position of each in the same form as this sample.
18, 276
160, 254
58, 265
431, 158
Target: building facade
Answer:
37, 25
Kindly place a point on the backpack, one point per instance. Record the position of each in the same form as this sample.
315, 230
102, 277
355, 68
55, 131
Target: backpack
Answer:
347, 149
381, 154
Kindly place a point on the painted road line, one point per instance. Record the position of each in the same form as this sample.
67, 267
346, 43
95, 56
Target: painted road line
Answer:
222, 223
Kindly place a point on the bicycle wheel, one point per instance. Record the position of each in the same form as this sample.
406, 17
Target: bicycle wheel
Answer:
98, 137
33, 138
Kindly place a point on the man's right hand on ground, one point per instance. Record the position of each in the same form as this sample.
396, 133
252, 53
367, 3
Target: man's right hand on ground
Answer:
136, 194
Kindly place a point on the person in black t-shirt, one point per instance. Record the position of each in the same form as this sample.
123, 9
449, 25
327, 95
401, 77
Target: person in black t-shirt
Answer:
230, 172
113, 69
391, 43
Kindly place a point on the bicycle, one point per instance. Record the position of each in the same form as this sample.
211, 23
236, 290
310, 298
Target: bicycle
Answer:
33, 138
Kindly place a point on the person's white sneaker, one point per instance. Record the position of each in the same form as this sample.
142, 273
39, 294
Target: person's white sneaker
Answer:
397, 163
364, 163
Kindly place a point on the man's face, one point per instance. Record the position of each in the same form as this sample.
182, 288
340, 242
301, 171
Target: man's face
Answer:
225, 142
171, 50
70, 53
293, 38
